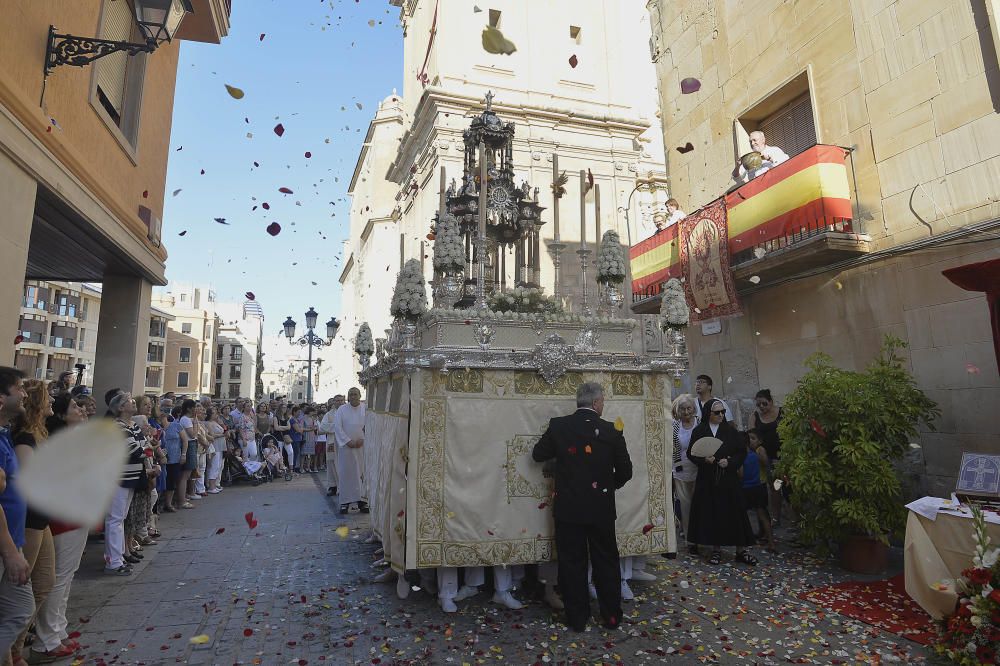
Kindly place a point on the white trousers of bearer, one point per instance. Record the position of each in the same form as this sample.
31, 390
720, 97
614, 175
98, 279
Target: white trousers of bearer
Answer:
114, 528
50, 624
503, 579
331, 464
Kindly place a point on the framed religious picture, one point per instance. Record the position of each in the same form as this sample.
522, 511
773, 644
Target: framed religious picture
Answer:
979, 476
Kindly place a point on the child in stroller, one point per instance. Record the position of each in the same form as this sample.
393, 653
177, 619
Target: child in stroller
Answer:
271, 450
236, 469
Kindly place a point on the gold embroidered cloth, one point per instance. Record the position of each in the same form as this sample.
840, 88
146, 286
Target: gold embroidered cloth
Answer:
473, 494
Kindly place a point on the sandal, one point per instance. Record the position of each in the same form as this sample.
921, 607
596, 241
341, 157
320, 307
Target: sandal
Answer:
187, 505
746, 558
169, 509
716, 557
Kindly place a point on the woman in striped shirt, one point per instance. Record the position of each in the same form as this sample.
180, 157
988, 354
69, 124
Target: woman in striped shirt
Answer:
122, 409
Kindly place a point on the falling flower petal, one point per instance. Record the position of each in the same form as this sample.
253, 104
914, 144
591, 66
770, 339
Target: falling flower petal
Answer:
233, 91
343, 531
619, 424
971, 369
755, 279
647, 528
250, 296
690, 85
686, 148
817, 427
182, 233
285, 190
573, 62
279, 129
220, 530
221, 220
494, 42
262, 36
200, 639
308, 154
176, 192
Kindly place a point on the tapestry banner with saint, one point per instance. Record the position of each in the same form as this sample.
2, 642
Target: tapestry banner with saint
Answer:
704, 257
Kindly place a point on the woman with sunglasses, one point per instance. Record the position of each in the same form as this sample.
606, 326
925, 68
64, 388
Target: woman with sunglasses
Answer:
718, 513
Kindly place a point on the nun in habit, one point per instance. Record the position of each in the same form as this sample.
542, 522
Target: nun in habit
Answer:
349, 433
718, 512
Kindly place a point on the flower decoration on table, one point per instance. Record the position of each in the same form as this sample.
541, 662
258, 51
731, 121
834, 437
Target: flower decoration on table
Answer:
673, 306
364, 345
611, 260
409, 299
449, 248
523, 299
971, 636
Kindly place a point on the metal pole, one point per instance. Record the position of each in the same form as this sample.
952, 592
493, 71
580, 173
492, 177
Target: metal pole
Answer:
309, 374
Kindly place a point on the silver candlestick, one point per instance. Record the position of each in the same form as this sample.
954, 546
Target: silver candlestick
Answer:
585, 295
481, 272
556, 249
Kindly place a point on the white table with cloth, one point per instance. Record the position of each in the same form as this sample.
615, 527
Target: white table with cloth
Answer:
939, 545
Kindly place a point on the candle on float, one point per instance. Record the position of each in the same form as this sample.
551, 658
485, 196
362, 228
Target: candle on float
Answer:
583, 209
555, 196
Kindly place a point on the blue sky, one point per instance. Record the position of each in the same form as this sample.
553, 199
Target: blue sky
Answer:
317, 61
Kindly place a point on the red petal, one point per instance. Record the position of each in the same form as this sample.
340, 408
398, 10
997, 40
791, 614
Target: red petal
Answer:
573, 62
308, 154
250, 296
145, 194
285, 190
647, 528
248, 516
262, 36
279, 129
274, 228
220, 530
248, 632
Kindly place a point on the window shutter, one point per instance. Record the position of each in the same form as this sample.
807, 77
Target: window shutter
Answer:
792, 128
116, 25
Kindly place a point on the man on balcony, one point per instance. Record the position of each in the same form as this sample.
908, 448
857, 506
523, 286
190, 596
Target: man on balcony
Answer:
771, 156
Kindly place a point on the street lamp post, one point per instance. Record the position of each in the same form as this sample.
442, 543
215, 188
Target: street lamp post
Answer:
310, 340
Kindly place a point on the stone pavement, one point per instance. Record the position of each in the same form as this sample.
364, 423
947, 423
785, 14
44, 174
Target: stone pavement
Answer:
292, 591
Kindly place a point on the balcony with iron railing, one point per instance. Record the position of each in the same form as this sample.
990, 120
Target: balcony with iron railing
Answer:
796, 217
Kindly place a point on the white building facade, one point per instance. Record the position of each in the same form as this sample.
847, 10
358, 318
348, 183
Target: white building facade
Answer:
581, 89
238, 350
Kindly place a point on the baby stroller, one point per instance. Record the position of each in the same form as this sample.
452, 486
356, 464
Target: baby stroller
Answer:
235, 470
273, 464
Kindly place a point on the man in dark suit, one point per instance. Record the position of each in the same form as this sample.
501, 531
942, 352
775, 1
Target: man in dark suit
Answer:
591, 462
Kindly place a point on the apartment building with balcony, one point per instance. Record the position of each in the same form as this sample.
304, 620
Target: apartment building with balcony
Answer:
238, 351
892, 107
83, 160
156, 351
191, 338
57, 329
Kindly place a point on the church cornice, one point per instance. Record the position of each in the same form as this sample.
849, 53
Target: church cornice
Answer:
423, 130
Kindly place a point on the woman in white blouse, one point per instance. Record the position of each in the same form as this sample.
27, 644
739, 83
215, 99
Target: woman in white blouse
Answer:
684, 410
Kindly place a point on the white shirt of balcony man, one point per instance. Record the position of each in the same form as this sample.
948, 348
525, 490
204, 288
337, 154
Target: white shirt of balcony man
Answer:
772, 156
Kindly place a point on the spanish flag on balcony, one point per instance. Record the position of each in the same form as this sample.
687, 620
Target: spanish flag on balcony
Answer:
808, 191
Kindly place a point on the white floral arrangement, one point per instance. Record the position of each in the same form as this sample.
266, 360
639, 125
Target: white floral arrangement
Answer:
409, 298
363, 343
449, 248
471, 314
523, 300
610, 259
673, 306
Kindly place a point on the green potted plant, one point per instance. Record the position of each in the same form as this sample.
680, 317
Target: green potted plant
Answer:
841, 432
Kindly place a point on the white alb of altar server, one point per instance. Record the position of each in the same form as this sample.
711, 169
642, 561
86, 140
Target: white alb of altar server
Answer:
349, 432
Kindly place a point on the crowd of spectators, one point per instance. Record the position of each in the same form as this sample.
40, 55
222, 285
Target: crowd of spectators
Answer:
180, 451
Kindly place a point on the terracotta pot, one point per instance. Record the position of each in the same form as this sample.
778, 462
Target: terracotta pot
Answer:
864, 555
